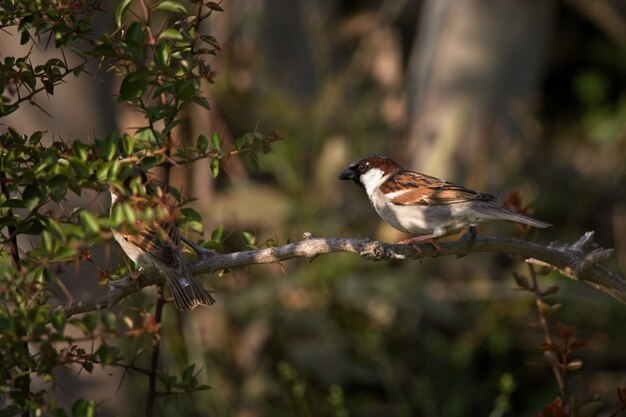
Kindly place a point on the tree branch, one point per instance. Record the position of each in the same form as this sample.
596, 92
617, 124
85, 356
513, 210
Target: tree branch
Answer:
578, 261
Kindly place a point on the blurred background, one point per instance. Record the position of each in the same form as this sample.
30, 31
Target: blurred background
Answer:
498, 95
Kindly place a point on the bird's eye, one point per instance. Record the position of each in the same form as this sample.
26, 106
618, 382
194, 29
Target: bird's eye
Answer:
361, 167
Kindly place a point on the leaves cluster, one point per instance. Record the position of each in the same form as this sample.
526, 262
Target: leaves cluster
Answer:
158, 51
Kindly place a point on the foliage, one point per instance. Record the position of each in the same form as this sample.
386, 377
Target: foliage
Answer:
159, 53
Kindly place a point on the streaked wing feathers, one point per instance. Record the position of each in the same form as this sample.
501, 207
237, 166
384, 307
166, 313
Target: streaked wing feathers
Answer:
412, 188
160, 241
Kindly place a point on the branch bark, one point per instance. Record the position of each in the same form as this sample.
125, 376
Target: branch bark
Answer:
578, 261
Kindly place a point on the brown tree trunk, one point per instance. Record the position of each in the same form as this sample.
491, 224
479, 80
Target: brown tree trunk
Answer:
473, 66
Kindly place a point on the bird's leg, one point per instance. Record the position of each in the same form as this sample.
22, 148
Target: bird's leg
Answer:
470, 239
430, 238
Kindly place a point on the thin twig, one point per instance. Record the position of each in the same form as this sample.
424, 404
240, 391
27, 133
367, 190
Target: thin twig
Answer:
552, 358
154, 360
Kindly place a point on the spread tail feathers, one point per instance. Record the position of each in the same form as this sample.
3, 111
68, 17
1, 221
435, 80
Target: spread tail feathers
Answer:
187, 292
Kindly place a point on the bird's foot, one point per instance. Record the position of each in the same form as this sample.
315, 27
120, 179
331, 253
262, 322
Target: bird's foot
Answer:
418, 239
470, 239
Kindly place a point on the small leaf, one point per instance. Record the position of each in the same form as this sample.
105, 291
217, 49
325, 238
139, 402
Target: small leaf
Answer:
188, 374
215, 167
170, 6
65, 253
162, 54
80, 149
202, 101
24, 37
109, 320
89, 222
214, 6
133, 86
83, 407
216, 141
127, 144
202, 143
80, 167
217, 234
120, 10
90, 321
57, 318
171, 34
521, 281
550, 291
248, 238
110, 146
32, 196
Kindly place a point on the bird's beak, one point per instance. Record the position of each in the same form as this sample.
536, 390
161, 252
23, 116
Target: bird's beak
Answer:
347, 174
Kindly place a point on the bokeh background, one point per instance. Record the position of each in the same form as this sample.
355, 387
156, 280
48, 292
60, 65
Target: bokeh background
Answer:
498, 95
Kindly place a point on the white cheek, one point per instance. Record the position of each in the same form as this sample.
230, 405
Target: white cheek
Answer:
372, 179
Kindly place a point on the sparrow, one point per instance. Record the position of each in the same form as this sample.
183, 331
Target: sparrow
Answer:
419, 204
157, 244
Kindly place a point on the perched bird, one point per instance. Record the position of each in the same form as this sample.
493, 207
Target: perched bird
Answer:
156, 244
422, 205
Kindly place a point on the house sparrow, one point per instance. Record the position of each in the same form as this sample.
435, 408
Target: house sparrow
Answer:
422, 205
156, 244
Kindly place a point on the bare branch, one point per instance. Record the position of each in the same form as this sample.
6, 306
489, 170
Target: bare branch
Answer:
578, 261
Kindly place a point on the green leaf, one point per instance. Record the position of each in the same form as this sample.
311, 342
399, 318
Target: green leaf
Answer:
24, 37
216, 142
110, 146
33, 195
107, 354
248, 238
83, 407
162, 54
57, 318
46, 240
202, 143
133, 86
129, 213
80, 167
89, 222
109, 321
217, 234
215, 167
202, 101
171, 34
187, 376
170, 6
186, 89
120, 10
80, 149
214, 6
90, 321
127, 144
65, 253
13, 203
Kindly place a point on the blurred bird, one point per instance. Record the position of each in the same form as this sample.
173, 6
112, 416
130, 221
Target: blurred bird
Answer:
156, 244
422, 205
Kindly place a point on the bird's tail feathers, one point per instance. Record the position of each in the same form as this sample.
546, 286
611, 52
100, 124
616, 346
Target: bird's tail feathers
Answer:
187, 292
520, 218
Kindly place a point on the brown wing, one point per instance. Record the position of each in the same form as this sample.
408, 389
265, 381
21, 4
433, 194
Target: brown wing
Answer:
427, 190
160, 241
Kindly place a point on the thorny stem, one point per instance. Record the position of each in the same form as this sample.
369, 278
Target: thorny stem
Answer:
550, 355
